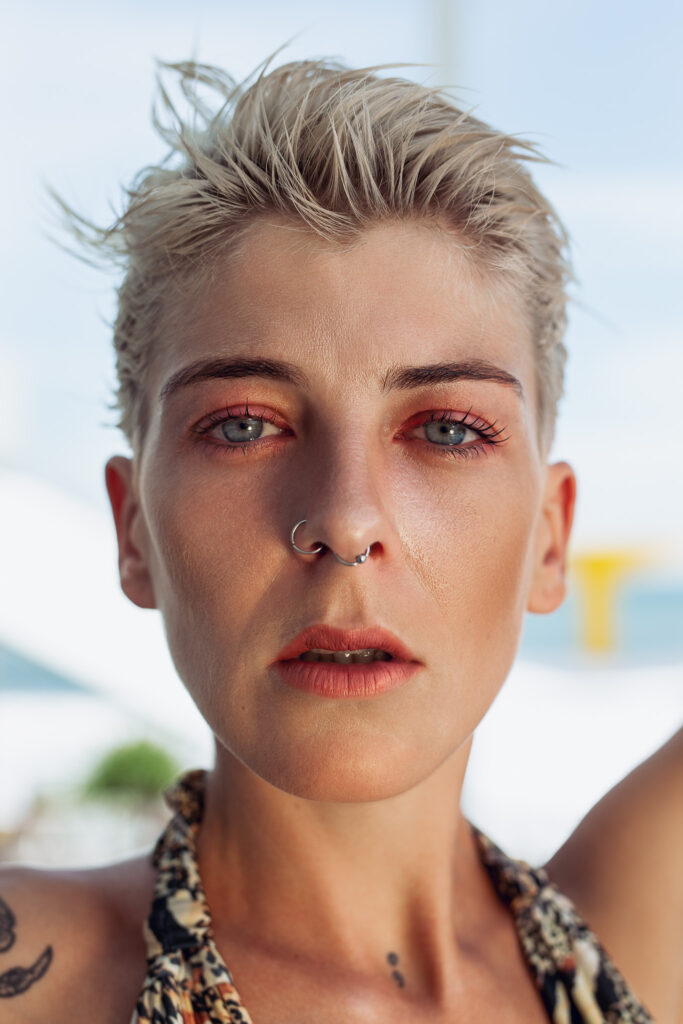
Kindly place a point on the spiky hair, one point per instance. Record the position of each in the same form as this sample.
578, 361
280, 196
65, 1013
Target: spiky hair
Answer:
337, 150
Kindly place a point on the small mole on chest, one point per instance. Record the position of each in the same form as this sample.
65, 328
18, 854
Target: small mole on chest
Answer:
392, 960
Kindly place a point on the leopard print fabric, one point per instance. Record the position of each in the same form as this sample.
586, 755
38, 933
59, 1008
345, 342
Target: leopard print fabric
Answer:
188, 983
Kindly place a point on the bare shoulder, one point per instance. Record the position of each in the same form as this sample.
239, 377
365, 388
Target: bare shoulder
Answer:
622, 868
71, 945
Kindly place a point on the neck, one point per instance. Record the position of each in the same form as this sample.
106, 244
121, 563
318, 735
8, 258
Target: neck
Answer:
388, 886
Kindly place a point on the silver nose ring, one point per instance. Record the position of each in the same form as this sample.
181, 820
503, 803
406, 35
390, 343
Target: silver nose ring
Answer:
358, 560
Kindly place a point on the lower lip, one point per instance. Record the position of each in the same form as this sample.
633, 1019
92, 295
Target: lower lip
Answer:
328, 679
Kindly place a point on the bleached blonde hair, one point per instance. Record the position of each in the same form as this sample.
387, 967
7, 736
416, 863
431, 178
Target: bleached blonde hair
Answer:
338, 150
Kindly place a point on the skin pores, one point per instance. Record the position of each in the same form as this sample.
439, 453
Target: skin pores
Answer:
458, 540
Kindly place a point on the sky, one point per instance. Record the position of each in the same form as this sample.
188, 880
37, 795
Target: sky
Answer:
598, 87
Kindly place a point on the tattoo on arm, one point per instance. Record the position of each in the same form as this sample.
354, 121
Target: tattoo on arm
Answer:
7, 923
392, 959
18, 979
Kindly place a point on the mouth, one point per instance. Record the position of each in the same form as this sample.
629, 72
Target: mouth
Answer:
345, 646
361, 657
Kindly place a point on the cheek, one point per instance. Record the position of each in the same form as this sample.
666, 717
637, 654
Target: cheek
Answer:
470, 544
471, 548
205, 537
206, 562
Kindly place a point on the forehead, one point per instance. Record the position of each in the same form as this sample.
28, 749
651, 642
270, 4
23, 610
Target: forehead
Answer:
398, 293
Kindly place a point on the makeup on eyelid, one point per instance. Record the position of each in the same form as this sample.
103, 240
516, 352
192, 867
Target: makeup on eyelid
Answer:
487, 434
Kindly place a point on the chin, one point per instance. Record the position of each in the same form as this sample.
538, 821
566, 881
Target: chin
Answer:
339, 772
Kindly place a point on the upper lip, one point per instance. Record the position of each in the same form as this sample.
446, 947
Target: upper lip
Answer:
330, 638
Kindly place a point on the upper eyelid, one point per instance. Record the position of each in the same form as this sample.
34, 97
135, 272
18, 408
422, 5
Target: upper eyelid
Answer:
218, 416
426, 415
488, 431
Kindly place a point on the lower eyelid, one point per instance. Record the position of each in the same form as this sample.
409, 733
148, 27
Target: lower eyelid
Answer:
215, 446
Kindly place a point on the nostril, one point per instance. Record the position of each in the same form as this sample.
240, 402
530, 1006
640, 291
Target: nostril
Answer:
321, 546
314, 550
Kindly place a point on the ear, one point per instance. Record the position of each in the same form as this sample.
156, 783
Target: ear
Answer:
131, 532
548, 585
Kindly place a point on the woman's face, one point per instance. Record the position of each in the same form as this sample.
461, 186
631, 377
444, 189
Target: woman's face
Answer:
467, 525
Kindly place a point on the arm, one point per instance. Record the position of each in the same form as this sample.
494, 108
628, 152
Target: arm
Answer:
26, 954
623, 868
71, 945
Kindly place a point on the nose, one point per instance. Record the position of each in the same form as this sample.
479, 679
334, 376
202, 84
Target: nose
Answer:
343, 509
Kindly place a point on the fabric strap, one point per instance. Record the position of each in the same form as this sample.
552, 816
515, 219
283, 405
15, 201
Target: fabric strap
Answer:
188, 983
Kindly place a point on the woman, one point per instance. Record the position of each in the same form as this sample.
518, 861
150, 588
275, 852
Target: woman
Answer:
339, 352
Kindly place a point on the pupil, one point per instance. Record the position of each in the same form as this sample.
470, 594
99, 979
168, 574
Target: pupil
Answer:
245, 429
446, 433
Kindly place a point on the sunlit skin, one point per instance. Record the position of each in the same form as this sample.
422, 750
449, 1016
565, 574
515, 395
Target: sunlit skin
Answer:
332, 826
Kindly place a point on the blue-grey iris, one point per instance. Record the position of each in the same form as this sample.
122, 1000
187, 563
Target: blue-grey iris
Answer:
443, 432
245, 429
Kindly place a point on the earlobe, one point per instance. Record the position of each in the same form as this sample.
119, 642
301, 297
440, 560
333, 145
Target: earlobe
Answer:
548, 587
134, 574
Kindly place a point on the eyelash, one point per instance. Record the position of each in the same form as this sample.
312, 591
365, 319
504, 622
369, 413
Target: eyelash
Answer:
490, 435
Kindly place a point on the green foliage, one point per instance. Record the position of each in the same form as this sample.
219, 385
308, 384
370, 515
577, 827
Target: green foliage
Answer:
134, 770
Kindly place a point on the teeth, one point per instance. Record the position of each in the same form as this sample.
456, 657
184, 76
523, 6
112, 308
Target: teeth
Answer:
346, 657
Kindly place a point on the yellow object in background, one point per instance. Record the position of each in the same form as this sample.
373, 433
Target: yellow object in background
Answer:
599, 575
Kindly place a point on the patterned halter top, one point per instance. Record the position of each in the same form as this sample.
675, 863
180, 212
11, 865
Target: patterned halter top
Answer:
188, 983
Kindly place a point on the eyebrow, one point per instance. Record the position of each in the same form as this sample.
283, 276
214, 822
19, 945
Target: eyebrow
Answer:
403, 377
225, 369
397, 378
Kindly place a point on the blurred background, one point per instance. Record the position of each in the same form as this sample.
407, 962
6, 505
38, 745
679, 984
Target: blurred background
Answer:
93, 720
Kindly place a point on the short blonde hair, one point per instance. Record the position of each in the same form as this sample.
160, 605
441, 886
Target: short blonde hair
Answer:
337, 149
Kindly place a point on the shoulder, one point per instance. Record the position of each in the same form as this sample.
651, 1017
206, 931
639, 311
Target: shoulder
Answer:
621, 867
71, 944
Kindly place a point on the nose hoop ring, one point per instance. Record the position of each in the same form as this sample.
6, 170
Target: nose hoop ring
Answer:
358, 560
303, 551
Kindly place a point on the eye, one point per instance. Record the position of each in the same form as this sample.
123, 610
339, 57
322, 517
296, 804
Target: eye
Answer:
228, 430
457, 434
445, 431
241, 429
